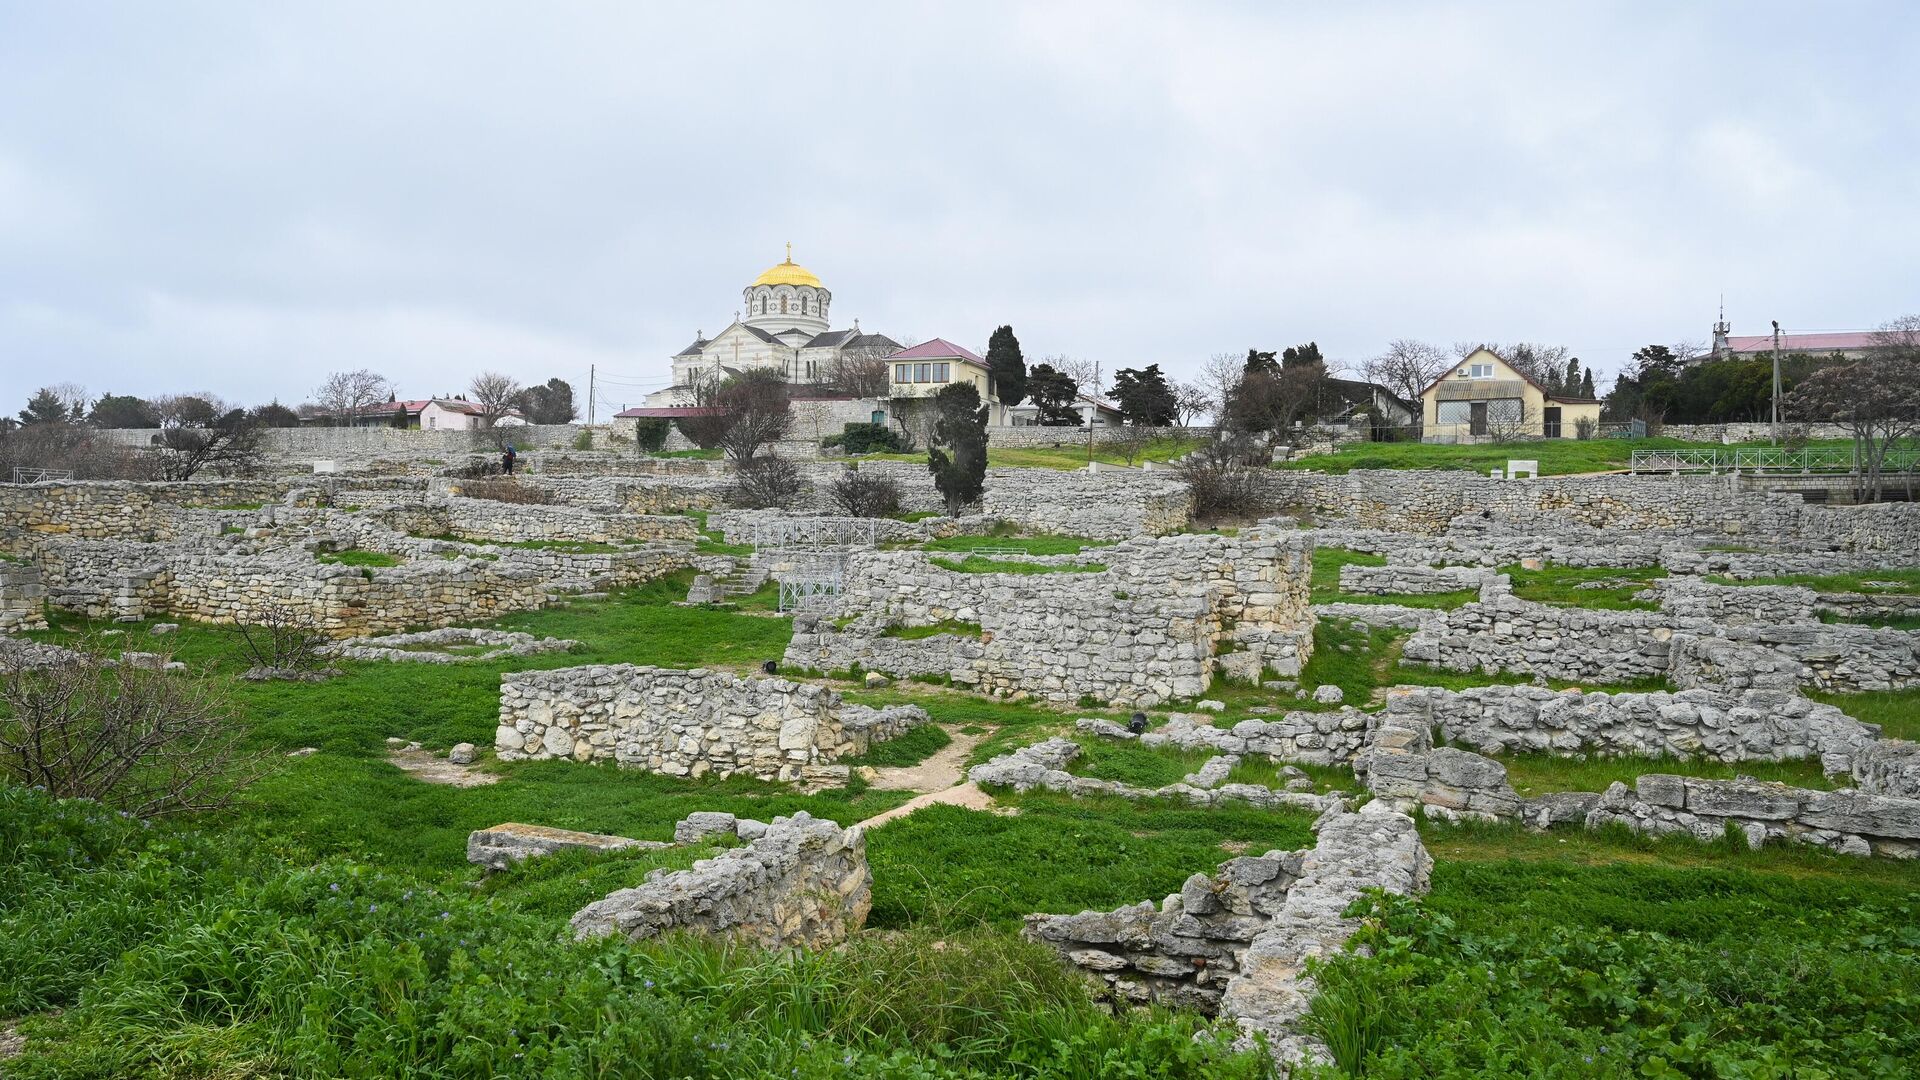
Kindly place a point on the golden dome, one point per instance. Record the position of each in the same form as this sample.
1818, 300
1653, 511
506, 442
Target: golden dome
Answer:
788, 273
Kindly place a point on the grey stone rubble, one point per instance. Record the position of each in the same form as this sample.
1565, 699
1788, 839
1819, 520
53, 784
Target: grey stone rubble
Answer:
420, 648
1849, 821
503, 845
1043, 767
800, 883
1889, 767
690, 722
1236, 943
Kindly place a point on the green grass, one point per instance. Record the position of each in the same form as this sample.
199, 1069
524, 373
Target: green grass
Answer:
1260, 771
358, 557
1896, 711
714, 454
916, 515
1045, 544
1128, 762
555, 886
1327, 562
1537, 774
1560, 585
1882, 622
953, 868
1898, 581
1556, 456
1576, 954
945, 626
239, 506
975, 564
912, 748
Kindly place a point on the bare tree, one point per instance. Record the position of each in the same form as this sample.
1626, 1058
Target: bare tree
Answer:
1191, 401
133, 737
1877, 398
346, 393
283, 644
765, 483
863, 371
859, 494
1086, 374
493, 394
74, 397
1127, 440
754, 410
1509, 420
1407, 367
188, 410
230, 443
1220, 376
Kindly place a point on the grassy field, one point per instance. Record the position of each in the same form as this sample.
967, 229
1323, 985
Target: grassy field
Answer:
330, 926
1556, 456
1867, 581
1586, 587
1044, 544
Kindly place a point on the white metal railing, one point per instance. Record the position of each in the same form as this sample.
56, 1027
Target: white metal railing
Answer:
35, 476
1768, 459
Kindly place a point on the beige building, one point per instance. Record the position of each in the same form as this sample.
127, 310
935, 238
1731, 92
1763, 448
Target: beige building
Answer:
1485, 399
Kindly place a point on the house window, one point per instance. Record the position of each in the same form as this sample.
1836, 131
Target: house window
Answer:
903, 373
940, 372
1479, 371
1452, 412
922, 372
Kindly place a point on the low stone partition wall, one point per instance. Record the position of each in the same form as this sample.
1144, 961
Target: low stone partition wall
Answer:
1734, 605
1717, 724
1400, 549
1835, 657
1236, 943
487, 519
428, 646
1889, 767
251, 582
1398, 616
803, 883
1848, 821
688, 722
1501, 633
113, 509
1306, 738
1140, 631
1403, 767
23, 597
1426, 580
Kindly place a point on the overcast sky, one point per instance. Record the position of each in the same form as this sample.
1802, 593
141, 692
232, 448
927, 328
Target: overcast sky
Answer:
242, 197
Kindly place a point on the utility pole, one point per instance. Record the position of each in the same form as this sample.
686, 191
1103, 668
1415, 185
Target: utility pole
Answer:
1776, 382
591, 372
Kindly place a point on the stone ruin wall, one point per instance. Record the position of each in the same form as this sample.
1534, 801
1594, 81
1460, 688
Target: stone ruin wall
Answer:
1425, 580
1428, 502
23, 597
688, 722
1236, 943
1143, 630
800, 883
1500, 633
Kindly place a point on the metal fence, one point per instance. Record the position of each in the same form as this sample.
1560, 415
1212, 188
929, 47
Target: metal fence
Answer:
34, 476
1768, 459
808, 555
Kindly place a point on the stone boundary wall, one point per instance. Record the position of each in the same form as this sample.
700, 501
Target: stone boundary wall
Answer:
803, 883
1398, 616
1501, 633
1143, 630
487, 519
1755, 433
1713, 724
106, 509
688, 722
1734, 605
1428, 501
23, 597
362, 442
1236, 943
1306, 738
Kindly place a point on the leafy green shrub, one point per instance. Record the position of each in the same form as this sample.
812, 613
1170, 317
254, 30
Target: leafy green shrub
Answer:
869, 439
650, 433
583, 439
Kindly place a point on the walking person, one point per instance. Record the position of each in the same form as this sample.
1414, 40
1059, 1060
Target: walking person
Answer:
506, 460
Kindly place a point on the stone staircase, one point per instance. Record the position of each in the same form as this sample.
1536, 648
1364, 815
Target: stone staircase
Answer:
744, 579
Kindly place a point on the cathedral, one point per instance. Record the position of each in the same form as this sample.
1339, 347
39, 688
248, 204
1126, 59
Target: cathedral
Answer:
785, 328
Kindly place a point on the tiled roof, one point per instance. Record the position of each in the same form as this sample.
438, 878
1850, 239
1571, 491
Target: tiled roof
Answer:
938, 349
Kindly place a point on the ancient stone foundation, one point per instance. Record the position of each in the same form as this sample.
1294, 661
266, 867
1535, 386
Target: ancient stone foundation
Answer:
1235, 943
689, 722
802, 883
